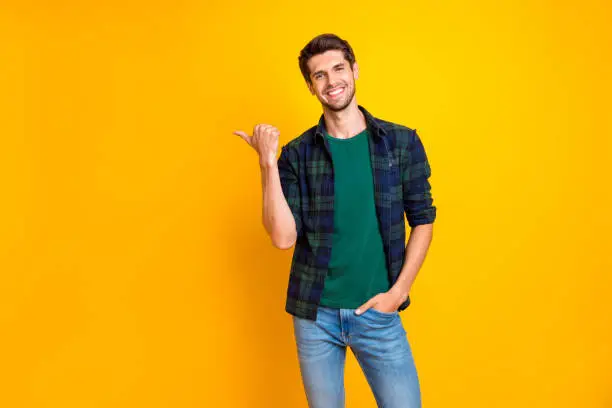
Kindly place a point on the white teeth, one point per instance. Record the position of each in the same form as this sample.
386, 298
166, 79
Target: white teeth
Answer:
336, 92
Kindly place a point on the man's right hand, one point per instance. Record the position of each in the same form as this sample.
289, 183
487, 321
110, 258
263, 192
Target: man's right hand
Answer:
264, 141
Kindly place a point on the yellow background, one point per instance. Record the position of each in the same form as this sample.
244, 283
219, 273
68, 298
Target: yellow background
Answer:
135, 271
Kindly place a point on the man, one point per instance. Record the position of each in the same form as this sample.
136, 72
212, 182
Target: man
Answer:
339, 193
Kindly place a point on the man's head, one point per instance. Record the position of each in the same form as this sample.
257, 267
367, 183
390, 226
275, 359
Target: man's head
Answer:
328, 64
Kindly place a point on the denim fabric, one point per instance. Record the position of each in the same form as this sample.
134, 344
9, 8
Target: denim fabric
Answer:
379, 342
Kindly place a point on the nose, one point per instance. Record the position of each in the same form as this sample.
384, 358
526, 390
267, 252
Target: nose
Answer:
334, 83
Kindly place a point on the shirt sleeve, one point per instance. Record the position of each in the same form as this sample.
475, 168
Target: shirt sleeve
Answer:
290, 185
418, 201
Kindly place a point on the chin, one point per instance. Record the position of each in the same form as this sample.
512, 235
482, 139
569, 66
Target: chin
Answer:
338, 106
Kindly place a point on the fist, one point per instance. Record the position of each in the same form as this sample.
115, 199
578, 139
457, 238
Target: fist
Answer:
264, 141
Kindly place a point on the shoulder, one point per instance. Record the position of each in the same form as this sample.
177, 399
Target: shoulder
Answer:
297, 143
400, 136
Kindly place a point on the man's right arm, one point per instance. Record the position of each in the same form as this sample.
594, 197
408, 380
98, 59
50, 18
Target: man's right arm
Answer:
279, 186
277, 216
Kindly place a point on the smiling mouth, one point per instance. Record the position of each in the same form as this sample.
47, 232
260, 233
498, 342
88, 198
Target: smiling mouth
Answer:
335, 93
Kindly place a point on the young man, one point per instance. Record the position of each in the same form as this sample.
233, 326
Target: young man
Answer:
339, 193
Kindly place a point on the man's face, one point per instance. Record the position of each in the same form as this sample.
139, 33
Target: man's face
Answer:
333, 80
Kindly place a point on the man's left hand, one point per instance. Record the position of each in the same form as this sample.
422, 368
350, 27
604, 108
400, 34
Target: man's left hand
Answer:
387, 302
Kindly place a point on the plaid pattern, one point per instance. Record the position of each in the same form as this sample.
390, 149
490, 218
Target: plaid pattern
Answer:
401, 171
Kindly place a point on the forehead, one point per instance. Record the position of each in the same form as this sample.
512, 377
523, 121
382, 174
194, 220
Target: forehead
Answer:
325, 60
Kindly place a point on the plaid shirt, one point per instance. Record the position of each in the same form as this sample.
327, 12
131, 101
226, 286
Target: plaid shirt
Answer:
401, 171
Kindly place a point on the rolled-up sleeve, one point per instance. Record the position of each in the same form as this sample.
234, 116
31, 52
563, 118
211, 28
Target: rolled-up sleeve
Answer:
290, 185
418, 201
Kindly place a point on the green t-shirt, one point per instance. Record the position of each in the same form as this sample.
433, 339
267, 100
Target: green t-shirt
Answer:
357, 268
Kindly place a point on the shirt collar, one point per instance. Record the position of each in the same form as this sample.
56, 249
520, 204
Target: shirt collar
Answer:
371, 123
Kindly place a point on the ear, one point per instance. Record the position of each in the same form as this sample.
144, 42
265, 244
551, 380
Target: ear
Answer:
310, 87
355, 70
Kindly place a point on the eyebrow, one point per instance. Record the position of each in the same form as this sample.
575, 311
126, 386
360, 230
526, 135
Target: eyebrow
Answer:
340, 64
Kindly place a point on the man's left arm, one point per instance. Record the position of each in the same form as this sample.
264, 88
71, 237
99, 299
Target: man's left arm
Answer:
416, 250
420, 213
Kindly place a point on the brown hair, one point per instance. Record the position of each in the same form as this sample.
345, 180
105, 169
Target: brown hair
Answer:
319, 45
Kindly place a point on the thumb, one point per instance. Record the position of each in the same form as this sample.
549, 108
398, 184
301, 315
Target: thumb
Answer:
243, 135
364, 307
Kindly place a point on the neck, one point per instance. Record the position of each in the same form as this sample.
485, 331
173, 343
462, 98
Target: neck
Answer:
345, 123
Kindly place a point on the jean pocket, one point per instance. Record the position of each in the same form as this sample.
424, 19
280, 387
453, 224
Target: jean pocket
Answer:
385, 314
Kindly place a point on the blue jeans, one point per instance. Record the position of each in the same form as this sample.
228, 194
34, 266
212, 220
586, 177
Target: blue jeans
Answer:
378, 341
